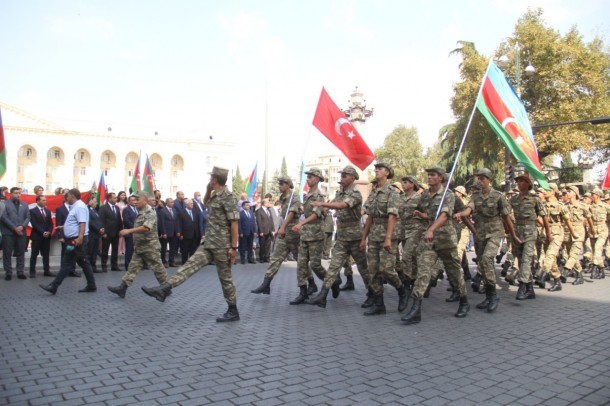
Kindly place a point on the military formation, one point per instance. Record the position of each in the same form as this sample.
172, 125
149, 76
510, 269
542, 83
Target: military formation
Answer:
406, 235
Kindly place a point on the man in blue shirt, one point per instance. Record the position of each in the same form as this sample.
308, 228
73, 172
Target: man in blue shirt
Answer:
76, 234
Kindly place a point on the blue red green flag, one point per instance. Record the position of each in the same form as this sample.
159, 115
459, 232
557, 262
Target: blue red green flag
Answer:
100, 196
136, 185
2, 149
251, 185
148, 180
505, 113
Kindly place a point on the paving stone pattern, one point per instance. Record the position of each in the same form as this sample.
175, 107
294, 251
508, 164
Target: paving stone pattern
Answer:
97, 349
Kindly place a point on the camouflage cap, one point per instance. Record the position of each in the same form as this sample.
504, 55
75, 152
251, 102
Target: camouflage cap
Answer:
526, 178
438, 170
316, 172
350, 170
598, 192
387, 166
553, 186
413, 180
606, 196
461, 189
286, 180
574, 189
484, 172
221, 172
398, 186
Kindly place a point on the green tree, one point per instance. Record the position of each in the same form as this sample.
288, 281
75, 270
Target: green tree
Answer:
274, 187
403, 151
284, 169
239, 183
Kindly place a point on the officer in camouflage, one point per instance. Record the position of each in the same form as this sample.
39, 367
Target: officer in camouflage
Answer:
348, 203
600, 211
220, 245
415, 228
382, 210
146, 246
287, 240
439, 242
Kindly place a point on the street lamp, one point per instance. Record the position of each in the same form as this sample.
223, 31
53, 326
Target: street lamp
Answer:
503, 63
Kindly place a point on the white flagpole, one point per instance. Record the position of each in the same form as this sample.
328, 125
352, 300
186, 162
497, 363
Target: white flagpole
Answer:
455, 162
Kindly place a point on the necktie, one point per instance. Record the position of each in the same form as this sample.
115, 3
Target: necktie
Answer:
191, 215
248, 214
113, 209
43, 213
134, 210
170, 212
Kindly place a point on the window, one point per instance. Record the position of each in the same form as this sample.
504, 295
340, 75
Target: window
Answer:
105, 172
130, 158
81, 156
83, 171
130, 173
19, 168
107, 157
56, 154
29, 153
175, 174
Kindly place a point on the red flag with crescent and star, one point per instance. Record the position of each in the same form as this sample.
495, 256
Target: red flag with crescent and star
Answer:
505, 113
331, 122
606, 184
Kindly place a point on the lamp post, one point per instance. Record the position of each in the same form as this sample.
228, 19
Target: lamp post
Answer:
503, 63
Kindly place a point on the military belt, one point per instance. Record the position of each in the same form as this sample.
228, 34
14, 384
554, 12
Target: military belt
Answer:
380, 220
525, 222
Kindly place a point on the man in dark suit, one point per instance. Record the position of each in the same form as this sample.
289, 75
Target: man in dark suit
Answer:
247, 229
111, 219
266, 230
129, 217
13, 225
202, 212
168, 229
42, 230
96, 231
189, 234
179, 202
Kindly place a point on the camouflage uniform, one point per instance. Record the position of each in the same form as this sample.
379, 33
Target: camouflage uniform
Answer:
329, 229
381, 203
558, 214
579, 213
222, 210
443, 246
415, 228
312, 241
599, 214
146, 248
487, 210
290, 242
349, 233
526, 210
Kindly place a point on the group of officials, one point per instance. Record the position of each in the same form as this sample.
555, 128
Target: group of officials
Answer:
409, 235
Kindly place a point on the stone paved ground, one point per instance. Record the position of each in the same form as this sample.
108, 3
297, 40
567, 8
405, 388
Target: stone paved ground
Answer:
77, 348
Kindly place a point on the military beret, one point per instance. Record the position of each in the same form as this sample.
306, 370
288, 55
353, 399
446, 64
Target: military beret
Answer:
317, 173
387, 166
350, 170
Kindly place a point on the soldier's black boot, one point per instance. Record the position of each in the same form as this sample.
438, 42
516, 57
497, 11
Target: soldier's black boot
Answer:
349, 283
403, 298
464, 308
370, 300
541, 280
564, 274
521, 291
529, 291
230, 315
476, 282
556, 285
579, 279
427, 292
377, 308
505, 268
312, 286
414, 315
455, 295
158, 292
493, 299
484, 303
119, 290
264, 288
320, 299
335, 288
302, 296
499, 257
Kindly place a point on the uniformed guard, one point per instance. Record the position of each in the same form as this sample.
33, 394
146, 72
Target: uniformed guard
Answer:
146, 245
220, 245
492, 217
600, 211
527, 208
382, 210
414, 226
348, 204
579, 215
439, 243
287, 240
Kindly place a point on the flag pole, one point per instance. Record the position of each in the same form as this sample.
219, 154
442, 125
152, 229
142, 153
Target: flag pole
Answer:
455, 162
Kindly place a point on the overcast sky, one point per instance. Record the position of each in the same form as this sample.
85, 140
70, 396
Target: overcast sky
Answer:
190, 69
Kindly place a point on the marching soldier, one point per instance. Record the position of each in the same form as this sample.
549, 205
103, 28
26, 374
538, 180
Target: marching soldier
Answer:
220, 245
382, 210
600, 212
579, 215
415, 227
348, 204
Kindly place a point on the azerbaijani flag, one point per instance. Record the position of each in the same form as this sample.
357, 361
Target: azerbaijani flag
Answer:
2, 149
148, 181
251, 184
100, 196
135, 185
303, 187
505, 113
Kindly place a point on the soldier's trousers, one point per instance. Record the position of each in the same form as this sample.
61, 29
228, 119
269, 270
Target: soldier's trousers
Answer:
381, 265
409, 255
587, 249
598, 246
202, 257
551, 251
427, 258
347, 266
463, 239
310, 259
574, 249
486, 249
147, 259
525, 254
282, 248
342, 251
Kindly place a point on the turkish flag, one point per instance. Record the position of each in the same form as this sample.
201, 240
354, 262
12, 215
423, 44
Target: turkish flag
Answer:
331, 122
606, 184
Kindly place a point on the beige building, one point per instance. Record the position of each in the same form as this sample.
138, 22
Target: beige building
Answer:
44, 153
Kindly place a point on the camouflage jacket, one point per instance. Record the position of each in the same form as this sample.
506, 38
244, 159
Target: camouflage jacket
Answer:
526, 210
149, 240
445, 236
381, 203
412, 224
294, 208
599, 214
348, 220
312, 231
487, 212
222, 210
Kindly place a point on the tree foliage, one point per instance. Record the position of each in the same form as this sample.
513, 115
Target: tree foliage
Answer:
571, 83
239, 183
403, 151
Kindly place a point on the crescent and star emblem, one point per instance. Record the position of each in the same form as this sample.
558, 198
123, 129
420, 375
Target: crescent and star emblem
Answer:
339, 123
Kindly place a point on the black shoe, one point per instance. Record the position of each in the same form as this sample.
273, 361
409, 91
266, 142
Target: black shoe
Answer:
88, 288
158, 292
116, 269
377, 308
349, 283
104, 269
49, 288
556, 286
8, 277
414, 315
75, 274
494, 300
541, 280
264, 288
230, 315
21, 275
579, 279
320, 299
499, 257
370, 300
455, 296
403, 298
302, 297
312, 287
32, 275
521, 292
463, 309
51, 274
95, 270
119, 290
335, 288
529, 291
